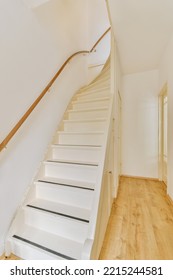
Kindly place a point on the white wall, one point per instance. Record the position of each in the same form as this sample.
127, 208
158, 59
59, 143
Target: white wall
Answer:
165, 76
29, 58
97, 17
66, 24
140, 124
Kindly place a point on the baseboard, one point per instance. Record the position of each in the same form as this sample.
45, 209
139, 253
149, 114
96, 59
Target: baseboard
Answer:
139, 177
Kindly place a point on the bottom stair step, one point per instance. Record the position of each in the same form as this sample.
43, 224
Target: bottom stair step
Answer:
42, 247
69, 183
51, 245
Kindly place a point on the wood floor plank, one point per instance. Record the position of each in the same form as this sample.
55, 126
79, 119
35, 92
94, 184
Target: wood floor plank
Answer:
11, 257
141, 222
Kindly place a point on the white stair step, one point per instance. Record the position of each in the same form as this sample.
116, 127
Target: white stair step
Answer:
84, 125
92, 103
93, 90
26, 251
89, 114
102, 81
56, 224
77, 153
81, 184
105, 74
70, 171
64, 194
84, 138
31, 243
102, 98
93, 95
72, 161
65, 210
98, 85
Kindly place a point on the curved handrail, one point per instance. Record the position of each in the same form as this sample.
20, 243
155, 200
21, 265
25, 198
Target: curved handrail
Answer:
104, 34
32, 107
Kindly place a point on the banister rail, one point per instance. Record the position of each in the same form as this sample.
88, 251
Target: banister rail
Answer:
32, 107
99, 40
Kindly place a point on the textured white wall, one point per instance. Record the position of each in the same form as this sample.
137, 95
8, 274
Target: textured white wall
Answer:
29, 58
140, 124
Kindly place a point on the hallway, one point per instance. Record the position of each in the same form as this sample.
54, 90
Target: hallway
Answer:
141, 222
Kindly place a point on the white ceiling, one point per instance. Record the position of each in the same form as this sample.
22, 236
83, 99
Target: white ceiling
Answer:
142, 29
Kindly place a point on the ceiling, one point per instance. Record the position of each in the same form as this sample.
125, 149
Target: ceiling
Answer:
142, 30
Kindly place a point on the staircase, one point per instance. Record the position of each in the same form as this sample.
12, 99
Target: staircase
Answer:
56, 218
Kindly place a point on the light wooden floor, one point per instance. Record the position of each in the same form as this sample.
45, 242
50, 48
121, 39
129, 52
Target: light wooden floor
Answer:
141, 223
12, 257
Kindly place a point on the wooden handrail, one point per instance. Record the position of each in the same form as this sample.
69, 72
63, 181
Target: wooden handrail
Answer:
31, 108
104, 34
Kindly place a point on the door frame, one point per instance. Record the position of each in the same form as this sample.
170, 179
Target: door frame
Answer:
163, 93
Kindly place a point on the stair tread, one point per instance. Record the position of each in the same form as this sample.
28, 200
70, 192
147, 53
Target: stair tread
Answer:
67, 248
77, 146
70, 211
78, 132
92, 100
89, 109
91, 95
85, 120
66, 182
84, 90
66, 163
80, 162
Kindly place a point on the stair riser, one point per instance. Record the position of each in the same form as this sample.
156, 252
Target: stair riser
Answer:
99, 84
64, 194
84, 126
101, 92
76, 153
105, 80
55, 224
93, 104
28, 252
88, 115
80, 139
93, 95
72, 172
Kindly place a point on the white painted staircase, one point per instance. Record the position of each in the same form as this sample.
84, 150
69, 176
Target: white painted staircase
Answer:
58, 219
